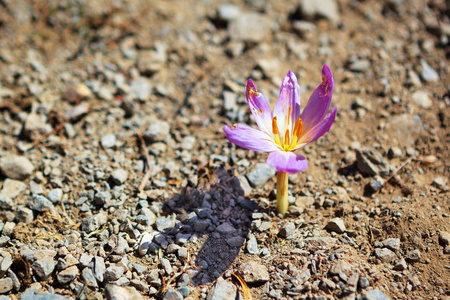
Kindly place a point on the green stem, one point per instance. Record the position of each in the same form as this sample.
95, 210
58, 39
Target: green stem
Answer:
282, 193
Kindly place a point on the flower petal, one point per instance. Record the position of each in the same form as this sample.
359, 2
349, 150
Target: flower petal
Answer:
259, 107
320, 129
289, 97
319, 102
249, 138
288, 162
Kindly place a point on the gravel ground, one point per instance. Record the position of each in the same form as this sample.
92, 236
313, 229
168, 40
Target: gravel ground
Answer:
117, 181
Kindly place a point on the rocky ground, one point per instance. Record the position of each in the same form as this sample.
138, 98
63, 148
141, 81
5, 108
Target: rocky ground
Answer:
118, 182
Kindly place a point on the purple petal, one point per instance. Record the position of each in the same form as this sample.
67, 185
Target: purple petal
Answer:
319, 102
288, 162
320, 129
289, 96
259, 107
249, 138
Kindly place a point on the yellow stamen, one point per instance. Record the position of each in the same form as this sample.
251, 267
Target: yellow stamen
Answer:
298, 128
274, 125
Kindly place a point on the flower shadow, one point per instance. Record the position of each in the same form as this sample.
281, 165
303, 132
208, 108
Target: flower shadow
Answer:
218, 212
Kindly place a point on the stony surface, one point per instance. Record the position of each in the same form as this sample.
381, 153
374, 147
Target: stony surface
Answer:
117, 181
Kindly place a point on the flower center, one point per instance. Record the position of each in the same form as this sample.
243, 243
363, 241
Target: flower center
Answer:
290, 138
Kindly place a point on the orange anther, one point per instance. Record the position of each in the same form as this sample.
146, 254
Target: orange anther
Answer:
289, 114
298, 128
286, 138
274, 125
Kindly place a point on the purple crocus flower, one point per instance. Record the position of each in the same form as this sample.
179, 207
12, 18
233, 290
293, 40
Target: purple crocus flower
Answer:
286, 129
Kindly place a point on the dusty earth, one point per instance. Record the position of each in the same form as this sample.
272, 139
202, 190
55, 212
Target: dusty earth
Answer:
118, 108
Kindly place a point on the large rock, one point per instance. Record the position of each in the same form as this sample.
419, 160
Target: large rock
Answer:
254, 272
12, 188
16, 167
371, 162
115, 292
314, 9
222, 290
250, 27
260, 174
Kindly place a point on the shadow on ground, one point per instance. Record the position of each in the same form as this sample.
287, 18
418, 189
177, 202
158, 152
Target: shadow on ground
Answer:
220, 211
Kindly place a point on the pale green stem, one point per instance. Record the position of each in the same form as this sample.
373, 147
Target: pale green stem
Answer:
282, 193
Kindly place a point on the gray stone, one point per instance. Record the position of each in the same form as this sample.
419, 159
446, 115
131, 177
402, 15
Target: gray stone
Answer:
341, 266
36, 126
401, 265
222, 290
44, 267
201, 225
225, 228
8, 228
250, 27
287, 230
16, 167
91, 223
253, 272
31, 294
113, 273
414, 255
229, 101
371, 162
228, 12
108, 141
320, 241
376, 183
6, 285
157, 131
245, 185
88, 276
360, 65
150, 62
55, 195
235, 241
260, 174
119, 176
12, 188
67, 275
5, 263
6, 203
99, 268
312, 9
122, 246
144, 243
252, 245
105, 93
444, 237
140, 89
172, 295
428, 73
163, 223
86, 259
394, 152
115, 292
421, 98
440, 182
41, 204
337, 225
166, 266
392, 243
374, 295
188, 143
385, 255
66, 262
